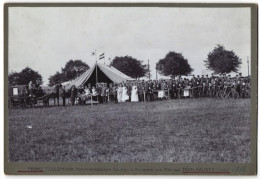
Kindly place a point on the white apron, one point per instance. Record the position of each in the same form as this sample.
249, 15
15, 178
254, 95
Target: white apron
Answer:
124, 94
134, 94
119, 94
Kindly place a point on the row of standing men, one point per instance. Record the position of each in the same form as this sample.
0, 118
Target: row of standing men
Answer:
152, 89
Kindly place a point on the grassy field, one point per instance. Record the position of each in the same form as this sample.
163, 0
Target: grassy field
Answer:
186, 130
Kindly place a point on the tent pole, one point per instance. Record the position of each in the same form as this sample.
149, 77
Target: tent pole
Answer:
96, 74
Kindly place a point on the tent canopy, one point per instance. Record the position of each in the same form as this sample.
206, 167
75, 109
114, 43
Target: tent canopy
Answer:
98, 73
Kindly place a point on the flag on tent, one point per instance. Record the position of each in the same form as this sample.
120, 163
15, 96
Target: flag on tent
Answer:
102, 56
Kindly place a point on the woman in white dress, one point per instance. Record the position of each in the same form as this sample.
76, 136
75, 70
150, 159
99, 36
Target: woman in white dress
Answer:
119, 93
125, 96
86, 94
134, 94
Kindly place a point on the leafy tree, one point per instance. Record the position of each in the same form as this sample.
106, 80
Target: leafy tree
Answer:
24, 77
173, 64
130, 66
72, 69
57, 78
13, 78
221, 60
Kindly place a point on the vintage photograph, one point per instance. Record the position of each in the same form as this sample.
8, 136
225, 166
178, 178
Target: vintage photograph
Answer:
129, 84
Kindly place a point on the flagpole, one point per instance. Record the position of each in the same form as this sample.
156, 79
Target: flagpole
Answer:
104, 59
96, 67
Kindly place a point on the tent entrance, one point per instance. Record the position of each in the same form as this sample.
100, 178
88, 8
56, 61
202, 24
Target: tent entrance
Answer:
100, 75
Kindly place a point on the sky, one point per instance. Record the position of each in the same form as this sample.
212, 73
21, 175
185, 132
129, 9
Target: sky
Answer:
45, 38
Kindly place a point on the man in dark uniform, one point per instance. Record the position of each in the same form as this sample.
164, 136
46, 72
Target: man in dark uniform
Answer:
193, 85
115, 92
129, 89
103, 93
220, 82
174, 88
57, 93
98, 90
110, 93
207, 82
63, 95
140, 92
149, 94
179, 87
73, 94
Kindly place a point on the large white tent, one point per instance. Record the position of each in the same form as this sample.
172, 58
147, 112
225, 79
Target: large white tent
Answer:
98, 73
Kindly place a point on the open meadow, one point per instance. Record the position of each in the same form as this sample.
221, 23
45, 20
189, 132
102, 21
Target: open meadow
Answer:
185, 130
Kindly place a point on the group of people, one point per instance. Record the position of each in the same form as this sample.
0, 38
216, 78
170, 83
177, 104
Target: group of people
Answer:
151, 90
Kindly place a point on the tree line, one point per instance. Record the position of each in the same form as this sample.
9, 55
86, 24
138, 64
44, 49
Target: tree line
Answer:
219, 60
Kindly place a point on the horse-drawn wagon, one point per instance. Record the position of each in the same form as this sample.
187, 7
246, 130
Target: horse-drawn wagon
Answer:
17, 96
20, 95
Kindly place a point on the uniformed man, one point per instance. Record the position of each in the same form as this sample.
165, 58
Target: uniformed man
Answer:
180, 87
129, 89
63, 95
174, 89
103, 93
98, 92
110, 93
140, 92
73, 94
115, 92
149, 94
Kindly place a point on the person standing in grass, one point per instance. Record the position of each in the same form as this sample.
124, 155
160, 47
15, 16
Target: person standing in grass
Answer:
73, 94
134, 93
140, 92
110, 93
119, 93
114, 89
63, 95
125, 96
94, 93
129, 90
103, 93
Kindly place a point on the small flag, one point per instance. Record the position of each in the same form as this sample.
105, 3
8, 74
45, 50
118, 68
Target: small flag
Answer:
102, 56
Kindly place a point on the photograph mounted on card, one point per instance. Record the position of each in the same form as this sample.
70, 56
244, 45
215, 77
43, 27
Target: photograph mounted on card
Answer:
140, 88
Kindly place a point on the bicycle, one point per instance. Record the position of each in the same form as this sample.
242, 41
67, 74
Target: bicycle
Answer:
233, 94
